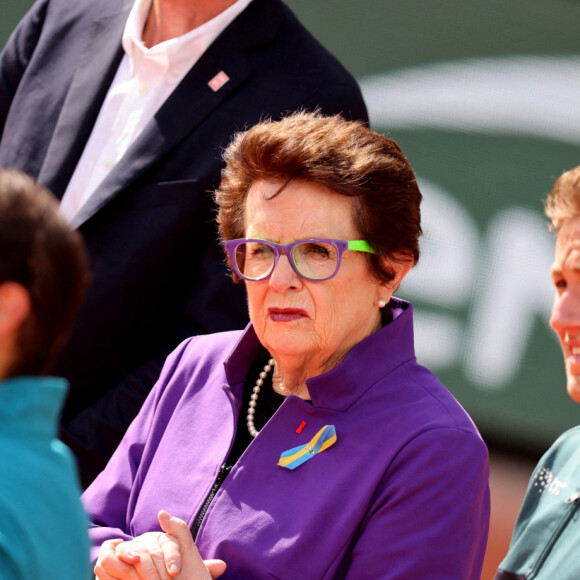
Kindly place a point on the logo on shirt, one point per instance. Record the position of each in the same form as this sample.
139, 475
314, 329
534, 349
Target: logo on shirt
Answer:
546, 481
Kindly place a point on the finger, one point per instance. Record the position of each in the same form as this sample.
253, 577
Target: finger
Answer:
127, 553
173, 550
152, 567
150, 564
216, 567
172, 553
192, 565
98, 570
100, 574
158, 557
108, 565
176, 527
109, 546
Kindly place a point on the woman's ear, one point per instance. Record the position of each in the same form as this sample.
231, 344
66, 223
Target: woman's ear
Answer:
399, 264
14, 307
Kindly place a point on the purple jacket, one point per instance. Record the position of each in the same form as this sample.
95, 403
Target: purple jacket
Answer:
403, 493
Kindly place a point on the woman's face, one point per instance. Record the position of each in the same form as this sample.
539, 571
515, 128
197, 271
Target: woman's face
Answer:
318, 321
565, 319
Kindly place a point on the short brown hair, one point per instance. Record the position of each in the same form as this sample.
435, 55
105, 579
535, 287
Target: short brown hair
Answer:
39, 251
345, 156
563, 202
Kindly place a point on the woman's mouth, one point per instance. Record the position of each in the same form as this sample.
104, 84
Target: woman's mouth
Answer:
286, 314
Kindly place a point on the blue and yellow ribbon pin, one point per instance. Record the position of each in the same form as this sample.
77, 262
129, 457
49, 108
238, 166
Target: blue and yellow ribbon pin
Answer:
296, 456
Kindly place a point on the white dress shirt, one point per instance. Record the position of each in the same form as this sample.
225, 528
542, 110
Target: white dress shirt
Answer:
144, 80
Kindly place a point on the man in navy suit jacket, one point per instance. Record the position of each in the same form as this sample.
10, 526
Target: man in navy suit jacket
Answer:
157, 270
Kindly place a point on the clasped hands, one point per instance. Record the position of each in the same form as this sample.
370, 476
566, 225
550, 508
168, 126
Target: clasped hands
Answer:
157, 556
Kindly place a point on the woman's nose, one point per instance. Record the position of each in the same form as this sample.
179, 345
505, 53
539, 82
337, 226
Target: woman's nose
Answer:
283, 276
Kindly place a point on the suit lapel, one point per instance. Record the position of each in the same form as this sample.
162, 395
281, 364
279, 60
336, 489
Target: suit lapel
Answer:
191, 102
89, 86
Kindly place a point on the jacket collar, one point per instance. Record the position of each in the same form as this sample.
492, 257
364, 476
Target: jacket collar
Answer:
366, 363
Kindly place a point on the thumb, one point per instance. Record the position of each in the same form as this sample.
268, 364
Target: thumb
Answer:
216, 567
177, 528
193, 565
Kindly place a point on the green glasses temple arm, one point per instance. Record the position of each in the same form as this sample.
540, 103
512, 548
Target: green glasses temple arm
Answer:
360, 246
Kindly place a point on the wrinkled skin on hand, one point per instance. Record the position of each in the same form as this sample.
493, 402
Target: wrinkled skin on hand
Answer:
157, 556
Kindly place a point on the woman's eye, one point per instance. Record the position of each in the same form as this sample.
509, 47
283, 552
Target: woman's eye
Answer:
317, 251
258, 251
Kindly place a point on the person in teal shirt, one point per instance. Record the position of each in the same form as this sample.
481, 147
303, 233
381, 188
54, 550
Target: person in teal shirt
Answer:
43, 273
545, 541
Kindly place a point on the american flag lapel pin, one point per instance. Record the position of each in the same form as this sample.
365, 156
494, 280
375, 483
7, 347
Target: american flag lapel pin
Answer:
218, 81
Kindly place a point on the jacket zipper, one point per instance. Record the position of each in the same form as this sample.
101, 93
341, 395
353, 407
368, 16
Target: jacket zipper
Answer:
574, 504
222, 474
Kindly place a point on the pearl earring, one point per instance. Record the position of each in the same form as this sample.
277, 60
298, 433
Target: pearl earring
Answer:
382, 303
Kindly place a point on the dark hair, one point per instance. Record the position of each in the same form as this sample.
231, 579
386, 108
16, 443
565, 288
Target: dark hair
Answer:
563, 202
39, 251
345, 156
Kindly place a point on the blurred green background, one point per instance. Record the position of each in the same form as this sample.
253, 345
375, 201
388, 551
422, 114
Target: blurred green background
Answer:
483, 99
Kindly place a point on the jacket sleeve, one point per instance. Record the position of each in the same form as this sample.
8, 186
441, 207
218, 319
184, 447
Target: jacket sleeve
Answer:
430, 517
109, 499
16, 55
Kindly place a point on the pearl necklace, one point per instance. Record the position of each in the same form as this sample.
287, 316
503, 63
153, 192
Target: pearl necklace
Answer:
254, 398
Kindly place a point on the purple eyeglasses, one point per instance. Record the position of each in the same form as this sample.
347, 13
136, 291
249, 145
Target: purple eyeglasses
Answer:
313, 259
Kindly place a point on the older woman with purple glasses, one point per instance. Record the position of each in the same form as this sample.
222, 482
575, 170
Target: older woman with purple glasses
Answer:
311, 444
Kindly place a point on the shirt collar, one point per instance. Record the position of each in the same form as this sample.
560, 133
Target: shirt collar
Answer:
178, 52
